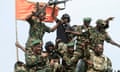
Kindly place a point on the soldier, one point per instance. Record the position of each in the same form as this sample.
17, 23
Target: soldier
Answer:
83, 44
37, 27
99, 35
69, 59
84, 30
35, 62
50, 48
64, 25
64, 32
98, 61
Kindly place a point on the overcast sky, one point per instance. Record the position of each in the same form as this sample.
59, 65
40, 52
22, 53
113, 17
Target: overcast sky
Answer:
78, 9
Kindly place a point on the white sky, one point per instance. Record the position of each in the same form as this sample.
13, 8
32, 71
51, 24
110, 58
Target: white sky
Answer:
78, 9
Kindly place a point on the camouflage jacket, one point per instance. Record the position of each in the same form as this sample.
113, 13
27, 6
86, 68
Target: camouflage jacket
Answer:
37, 30
98, 37
100, 63
83, 38
36, 63
84, 33
69, 62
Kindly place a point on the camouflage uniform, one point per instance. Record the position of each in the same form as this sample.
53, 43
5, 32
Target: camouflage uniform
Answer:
98, 37
98, 34
84, 30
35, 62
82, 39
37, 30
84, 33
70, 59
100, 64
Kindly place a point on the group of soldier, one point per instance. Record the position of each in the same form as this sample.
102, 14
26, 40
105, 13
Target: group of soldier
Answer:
77, 48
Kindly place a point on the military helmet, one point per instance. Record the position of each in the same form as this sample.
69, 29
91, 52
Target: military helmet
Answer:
35, 42
70, 44
49, 43
87, 19
66, 16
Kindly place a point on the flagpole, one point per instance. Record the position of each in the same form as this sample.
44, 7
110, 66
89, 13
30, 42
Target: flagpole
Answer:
16, 29
17, 55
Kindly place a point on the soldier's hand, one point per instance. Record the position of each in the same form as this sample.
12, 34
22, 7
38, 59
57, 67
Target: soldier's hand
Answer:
89, 62
62, 21
59, 21
110, 18
17, 44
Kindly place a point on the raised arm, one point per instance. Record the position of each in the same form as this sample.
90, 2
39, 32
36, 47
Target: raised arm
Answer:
107, 21
19, 46
114, 43
58, 22
108, 39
